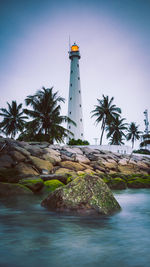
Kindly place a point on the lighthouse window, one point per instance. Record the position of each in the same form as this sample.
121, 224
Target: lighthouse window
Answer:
80, 119
78, 78
69, 127
79, 92
71, 71
70, 112
80, 105
71, 84
77, 65
82, 134
70, 98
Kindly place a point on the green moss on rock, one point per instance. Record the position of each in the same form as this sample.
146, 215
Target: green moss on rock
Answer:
139, 183
34, 184
51, 185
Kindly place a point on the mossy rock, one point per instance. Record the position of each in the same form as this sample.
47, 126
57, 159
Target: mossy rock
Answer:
117, 183
84, 195
51, 185
7, 189
139, 183
35, 184
9, 175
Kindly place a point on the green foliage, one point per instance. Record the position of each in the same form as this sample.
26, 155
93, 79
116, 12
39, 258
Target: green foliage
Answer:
14, 120
105, 112
133, 133
31, 137
116, 130
142, 151
46, 118
77, 142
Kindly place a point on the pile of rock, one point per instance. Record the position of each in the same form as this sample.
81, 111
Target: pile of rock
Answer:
42, 167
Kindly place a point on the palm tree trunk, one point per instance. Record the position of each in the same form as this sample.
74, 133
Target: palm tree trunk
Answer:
103, 128
132, 143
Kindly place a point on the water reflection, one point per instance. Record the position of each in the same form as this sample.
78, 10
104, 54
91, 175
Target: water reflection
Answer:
32, 236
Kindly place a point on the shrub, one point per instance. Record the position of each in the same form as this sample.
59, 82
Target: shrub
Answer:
78, 142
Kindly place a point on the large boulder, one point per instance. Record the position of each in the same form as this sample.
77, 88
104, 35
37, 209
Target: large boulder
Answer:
84, 195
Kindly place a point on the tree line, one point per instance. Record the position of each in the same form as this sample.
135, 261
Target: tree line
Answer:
42, 120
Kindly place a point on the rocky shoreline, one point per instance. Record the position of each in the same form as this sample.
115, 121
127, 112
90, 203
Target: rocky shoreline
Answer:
40, 168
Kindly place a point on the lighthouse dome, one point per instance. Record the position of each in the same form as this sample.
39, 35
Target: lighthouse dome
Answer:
74, 47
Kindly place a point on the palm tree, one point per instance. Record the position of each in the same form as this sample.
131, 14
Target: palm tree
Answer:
14, 120
133, 133
46, 115
116, 131
105, 111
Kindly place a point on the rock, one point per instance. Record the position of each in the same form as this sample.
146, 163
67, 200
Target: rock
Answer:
17, 156
35, 151
72, 165
9, 175
22, 151
139, 182
111, 166
82, 159
41, 164
7, 189
88, 150
34, 184
117, 183
25, 170
6, 161
127, 169
52, 155
123, 162
68, 158
89, 171
65, 171
84, 195
51, 185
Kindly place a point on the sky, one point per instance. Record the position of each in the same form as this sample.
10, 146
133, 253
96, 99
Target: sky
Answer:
114, 41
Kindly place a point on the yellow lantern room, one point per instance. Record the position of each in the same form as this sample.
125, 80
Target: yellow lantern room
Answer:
74, 48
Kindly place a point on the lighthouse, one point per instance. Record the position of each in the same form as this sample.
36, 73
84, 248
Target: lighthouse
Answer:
75, 98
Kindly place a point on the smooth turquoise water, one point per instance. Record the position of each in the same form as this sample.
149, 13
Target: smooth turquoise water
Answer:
32, 236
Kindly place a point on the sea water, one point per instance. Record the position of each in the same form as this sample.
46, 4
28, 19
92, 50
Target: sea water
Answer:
32, 236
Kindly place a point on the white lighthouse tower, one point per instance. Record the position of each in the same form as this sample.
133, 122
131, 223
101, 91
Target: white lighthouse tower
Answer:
75, 99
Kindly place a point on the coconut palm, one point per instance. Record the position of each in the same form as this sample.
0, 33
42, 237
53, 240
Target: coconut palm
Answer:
105, 112
46, 116
133, 133
116, 131
13, 119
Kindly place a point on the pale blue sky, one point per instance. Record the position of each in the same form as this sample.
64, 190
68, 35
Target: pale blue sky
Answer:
114, 40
